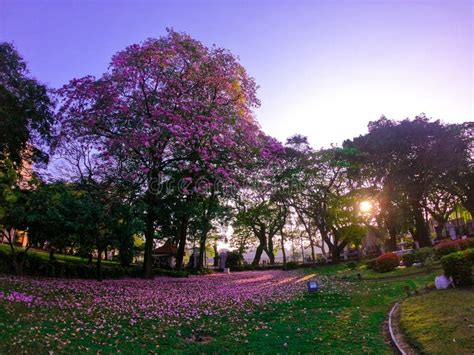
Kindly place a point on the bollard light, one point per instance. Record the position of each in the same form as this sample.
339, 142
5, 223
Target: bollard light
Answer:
312, 286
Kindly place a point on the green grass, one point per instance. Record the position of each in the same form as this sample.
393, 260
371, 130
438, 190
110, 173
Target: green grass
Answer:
344, 317
440, 322
59, 257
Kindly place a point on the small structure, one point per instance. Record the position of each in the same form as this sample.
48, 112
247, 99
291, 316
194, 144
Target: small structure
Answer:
165, 256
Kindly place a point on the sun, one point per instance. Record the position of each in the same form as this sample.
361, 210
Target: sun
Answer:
365, 206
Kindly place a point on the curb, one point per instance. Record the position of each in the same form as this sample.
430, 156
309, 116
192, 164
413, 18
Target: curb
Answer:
390, 328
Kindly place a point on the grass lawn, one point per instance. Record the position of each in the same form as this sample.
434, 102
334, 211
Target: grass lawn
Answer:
264, 311
440, 322
59, 257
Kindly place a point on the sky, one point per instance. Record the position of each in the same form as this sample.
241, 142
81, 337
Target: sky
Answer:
325, 68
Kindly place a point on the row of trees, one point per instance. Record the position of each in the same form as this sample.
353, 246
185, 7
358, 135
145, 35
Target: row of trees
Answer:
165, 145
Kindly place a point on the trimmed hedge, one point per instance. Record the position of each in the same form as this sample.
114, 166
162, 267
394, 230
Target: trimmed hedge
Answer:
291, 265
458, 266
418, 256
451, 246
37, 266
409, 259
469, 254
387, 262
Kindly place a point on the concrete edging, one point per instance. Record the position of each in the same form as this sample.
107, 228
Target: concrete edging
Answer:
395, 334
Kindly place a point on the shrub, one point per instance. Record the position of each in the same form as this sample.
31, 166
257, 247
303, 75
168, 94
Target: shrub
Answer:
418, 256
35, 265
351, 265
457, 266
370, 264
321, 259
233, 260
451, 246
469, 255
423, 253
409, 259
387, 262
291, 265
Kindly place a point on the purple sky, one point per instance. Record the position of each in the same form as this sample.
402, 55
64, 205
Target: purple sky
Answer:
325, 68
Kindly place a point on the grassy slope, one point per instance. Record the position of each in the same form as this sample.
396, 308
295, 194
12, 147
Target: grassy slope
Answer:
59, 257
440, 322
345, 317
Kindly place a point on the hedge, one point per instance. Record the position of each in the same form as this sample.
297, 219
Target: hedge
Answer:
37, 266
418, 256
451, 246
458, 265
387, 262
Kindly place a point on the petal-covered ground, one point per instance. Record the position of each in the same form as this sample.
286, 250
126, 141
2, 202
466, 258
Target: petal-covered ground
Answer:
249, 312
164, 298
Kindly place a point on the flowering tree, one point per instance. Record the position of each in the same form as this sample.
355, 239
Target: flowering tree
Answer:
167, 103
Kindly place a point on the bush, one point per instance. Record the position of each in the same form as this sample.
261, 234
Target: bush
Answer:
35, 265
418, 256
424, 253
469, 255
409, 259
452, 246
387, 262
370, 264
351, 265
291, 265
457, 266
321, 259
233, 260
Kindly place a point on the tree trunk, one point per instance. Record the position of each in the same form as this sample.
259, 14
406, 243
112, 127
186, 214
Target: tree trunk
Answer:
421, 230
258, 255
391, 243
149, 237
216, 255
51, 254
302, 250
202, 245
283, 251
311, 243
183, 232
269, 250
439, 230
99, 265
270, 255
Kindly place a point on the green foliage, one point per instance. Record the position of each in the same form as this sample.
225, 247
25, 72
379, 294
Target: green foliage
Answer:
36, 265
458, 266
25, 109
291, 265
469, 255
370, 264
418, 256
451, 246
351, 265
409, 259
233, 260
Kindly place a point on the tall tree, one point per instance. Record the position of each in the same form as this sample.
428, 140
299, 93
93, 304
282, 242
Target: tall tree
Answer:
410, 158
25, 110
165, 102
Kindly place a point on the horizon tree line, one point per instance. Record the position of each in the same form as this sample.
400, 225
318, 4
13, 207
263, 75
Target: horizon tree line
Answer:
165, 145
